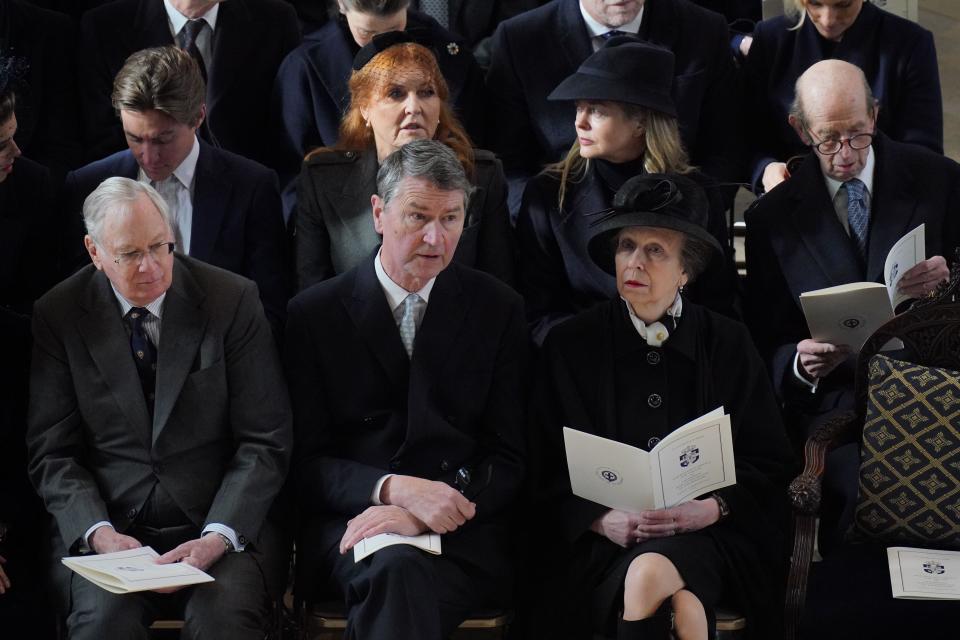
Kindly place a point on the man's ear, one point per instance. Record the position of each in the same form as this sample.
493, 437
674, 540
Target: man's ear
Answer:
377, 204
201, 117
798, 127
94, 252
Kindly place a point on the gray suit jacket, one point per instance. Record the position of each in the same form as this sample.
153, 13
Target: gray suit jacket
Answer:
220, 437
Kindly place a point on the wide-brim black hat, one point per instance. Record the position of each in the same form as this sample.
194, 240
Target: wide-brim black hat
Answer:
664, 200
625, 69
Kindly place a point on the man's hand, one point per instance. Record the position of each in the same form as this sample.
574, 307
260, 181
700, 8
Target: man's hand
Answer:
4, 579
818, 359
381, 519
924, 277
773, 174
201, 553
745, 44
107, 540
436, 504
619, 527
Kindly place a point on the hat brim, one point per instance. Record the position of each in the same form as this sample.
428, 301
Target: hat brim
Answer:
582, 86
601, 247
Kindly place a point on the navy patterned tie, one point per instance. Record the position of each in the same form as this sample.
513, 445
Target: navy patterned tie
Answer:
188, 35
144, 354
438, 10
858, 217
613, 32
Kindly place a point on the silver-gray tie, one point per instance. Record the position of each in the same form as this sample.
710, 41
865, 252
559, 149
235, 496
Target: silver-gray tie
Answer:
412, 306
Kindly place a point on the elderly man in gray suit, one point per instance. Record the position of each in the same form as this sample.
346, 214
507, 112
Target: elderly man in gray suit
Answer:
158, 416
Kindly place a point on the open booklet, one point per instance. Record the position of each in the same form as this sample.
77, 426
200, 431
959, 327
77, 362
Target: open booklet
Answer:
693, 460
924, 574
134, 570
850, 313
429, 542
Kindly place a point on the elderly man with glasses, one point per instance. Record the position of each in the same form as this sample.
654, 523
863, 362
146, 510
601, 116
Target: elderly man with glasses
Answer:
833, 222
158, 416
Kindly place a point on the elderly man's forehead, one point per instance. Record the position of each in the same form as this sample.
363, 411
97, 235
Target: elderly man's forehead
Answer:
139, 216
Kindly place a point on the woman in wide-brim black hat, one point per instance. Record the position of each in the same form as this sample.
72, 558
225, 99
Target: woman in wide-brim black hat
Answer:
634, 369
626, 125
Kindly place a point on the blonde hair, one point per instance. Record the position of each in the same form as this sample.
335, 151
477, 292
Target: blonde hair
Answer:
663, 150
370, 84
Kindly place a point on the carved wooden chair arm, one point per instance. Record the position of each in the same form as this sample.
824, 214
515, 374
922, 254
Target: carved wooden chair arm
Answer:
804, 491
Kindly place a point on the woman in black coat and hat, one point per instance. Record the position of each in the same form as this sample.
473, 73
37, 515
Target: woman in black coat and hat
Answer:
633, 369
626, 125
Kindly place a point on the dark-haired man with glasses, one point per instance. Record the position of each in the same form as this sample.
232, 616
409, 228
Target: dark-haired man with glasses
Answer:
833, 222
158, 416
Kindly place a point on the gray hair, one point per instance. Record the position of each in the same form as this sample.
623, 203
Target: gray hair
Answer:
375, 7
427, 159
116, 196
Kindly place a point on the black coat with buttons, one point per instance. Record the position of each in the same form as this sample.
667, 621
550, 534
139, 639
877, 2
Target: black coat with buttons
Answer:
598, 375
363, 408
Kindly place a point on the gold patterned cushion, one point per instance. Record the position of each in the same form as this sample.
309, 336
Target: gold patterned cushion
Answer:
910, 455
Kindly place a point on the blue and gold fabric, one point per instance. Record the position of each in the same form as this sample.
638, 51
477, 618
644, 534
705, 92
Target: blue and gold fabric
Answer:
910, 455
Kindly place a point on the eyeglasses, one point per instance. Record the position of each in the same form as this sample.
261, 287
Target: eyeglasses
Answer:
832, 147
131, 259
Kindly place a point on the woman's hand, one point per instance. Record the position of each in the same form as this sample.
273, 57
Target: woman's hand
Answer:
619, 527
683, 518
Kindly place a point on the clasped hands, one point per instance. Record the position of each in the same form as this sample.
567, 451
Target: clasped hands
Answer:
411, 506
627, 529
201, 553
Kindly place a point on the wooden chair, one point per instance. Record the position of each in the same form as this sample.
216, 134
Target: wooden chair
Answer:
930, 331
327, 620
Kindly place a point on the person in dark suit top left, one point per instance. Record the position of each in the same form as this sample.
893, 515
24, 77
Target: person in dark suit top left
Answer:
241, 44
311, 93
158, 416
406, 378
227, 207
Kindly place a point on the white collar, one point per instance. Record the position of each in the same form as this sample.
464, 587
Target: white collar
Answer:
596, 28
185, 171
155, 307
395, 293
655, 333
865, 176
177, 19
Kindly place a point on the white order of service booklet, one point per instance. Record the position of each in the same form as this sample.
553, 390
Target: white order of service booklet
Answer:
429, 542
134, 570
693, 460
924, 574
850, 313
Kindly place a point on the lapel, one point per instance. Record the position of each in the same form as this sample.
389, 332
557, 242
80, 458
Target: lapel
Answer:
588, 197
181, 332
814, 221
101, 328
353, 199
126, 166
235, 39
859, 45
659, 23
893, 207
572, 37
367, 307
150, 27
211, 189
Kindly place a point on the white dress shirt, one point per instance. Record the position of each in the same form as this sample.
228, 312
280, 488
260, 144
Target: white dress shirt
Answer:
177, 191
596, 29
176, 21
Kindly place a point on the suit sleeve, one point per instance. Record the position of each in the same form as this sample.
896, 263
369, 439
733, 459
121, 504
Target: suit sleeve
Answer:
266, 257
260, 421
102, 131
919, 114
508, 130
496, 253
311, 243
756, 113
55, 441
294, 113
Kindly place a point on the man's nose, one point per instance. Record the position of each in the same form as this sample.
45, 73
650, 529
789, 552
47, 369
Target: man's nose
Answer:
432, 233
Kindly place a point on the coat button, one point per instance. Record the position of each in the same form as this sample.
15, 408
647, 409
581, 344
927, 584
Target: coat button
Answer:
444, 466
654, 400
653, 357
652, 442
242, 540
131, 514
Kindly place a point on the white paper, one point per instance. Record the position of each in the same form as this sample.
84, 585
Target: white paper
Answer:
909, 251
694, 459
429, 542
922, 574
134, 570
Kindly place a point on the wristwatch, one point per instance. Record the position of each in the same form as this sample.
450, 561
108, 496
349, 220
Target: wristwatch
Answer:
724, 507
228, 546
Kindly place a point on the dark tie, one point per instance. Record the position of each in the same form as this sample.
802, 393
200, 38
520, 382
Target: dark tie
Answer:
613, 32
858, 217
189, 34
438, 10
144, 354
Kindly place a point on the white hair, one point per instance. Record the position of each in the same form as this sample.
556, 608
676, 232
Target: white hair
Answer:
116, 195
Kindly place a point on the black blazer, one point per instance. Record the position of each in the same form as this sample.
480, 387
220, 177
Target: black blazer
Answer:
29, 260
535, 51
311, 91
47, 116
556, 275
476, 21
897, 56
334, 221
237, 221
251, 39
362, 409
796, 243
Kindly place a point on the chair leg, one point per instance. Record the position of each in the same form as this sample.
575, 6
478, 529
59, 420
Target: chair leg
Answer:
805, 533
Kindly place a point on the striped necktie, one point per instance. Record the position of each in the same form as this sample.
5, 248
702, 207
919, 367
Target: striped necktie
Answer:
858, 217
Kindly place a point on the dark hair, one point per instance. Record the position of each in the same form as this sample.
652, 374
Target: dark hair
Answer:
12, 71
695, 256
376, 7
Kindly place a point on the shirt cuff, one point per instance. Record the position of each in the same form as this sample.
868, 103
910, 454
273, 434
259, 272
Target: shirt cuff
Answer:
375, 496
799, 376
85, 545
225, 531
